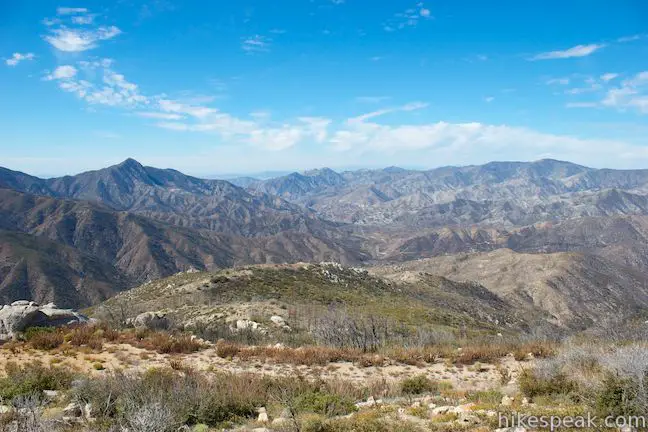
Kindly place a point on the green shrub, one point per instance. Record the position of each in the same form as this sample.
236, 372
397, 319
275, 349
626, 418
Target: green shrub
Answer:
532, 385
325, 403
617, 397
32, 378
489, 397
418, 384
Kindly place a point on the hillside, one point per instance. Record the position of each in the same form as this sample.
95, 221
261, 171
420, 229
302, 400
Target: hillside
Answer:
576, 290
35, 268
302, 293
131, 248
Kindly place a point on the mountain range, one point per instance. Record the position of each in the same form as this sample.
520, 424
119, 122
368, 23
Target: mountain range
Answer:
80, 239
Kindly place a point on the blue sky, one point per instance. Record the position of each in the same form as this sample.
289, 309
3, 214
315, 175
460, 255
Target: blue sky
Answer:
239, 87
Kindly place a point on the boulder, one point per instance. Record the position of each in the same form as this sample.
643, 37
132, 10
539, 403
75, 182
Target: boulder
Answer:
151, 321
22, 314
243, 324
263, 415
507, 401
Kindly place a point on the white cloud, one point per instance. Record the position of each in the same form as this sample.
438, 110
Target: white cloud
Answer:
407, 107
577, 51
464, 143
489, 99
561, 81
372, 99
99, 85
581, 105
83, 19
256, 43
159, 115
609, 76
632, 94
630, 38
18, 57
408, 18
74, 40
70, 11
171, 106
580, 90
62, 72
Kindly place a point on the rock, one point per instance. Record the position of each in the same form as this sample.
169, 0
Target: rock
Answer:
277, 320
151, 321
4, 409
87, 412
244, 324
469, 407
23, 303
467, 419
263, 415
51, 394
416, 404
441, 410
525, 401
200, 428
22, 314
72, 410
507, 401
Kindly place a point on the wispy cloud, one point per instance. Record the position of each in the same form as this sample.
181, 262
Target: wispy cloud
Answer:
489, 99
609, 76
66, 37
74, 40
581, 105
372, 99
70, 11
408, 18
98, 84
577, 51
632, 94
159, 115
19, 57
62, 73
413, 106
559, 81
256, 43
631, 38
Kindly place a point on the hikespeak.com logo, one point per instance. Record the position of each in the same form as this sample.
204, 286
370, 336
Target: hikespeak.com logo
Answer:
584, 421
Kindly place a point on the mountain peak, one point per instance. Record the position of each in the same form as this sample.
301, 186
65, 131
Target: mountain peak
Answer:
130, 163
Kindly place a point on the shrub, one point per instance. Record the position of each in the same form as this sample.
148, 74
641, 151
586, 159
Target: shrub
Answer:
533, 385
418, 385
324, 403
227, 349
32, 378
618, 397
166, 343
487, 397
44, 338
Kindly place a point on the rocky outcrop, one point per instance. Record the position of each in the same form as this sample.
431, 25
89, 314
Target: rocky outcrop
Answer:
20, 315
151, 321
